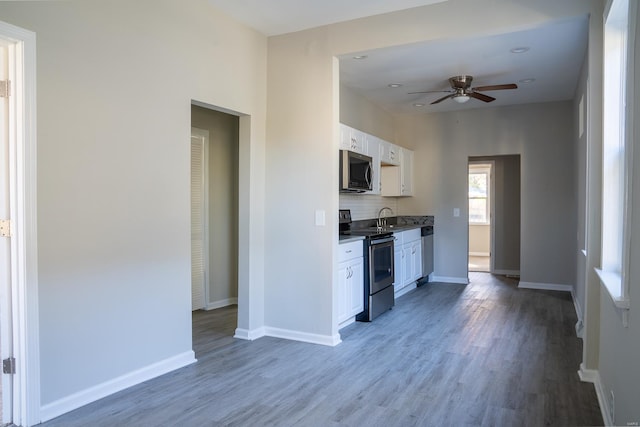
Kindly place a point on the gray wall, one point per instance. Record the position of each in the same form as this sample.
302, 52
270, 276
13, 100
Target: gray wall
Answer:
542, 134
223, 201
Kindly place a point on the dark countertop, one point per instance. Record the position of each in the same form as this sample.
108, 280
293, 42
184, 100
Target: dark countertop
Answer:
395, 224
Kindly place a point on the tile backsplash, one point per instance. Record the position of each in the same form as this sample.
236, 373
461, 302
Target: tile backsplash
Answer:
365, 206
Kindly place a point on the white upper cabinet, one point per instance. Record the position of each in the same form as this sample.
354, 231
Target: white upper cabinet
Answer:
398, 180
406, 166
352, 139
392, 165
389, 154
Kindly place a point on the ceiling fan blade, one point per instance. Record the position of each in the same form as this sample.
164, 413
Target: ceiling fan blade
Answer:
443, 98
481, 96
496, 87
430, 91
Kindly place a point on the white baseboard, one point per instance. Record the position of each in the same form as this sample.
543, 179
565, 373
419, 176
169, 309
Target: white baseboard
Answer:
545, 286
84, 397
249, 335
303, 336
580, 322
479, 254
267, 331
593, 376
445, 279
221, 303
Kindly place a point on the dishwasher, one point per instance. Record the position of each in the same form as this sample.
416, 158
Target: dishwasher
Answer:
427, 253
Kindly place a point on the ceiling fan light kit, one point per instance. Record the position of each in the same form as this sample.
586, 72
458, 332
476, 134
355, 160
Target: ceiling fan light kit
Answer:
461, 99
461, 90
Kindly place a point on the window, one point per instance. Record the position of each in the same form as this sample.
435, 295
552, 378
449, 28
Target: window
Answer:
616, 150
479, 185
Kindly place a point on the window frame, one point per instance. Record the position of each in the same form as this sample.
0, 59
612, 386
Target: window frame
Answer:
481, 168
614, 262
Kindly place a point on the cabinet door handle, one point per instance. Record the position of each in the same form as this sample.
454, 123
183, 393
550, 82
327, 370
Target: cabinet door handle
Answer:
349, 251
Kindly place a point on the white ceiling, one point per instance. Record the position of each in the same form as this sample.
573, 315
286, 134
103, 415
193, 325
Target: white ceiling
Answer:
555, 55
273, 17
554, 59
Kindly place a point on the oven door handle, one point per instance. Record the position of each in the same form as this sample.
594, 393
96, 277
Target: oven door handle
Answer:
380, 241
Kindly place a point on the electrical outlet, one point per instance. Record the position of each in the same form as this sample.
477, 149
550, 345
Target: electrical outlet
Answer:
612, 407
456, 212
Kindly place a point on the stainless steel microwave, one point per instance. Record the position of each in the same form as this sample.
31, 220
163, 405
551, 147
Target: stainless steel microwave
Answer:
355, 172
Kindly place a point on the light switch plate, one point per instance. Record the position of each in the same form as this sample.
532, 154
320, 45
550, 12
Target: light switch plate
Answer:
320, 218
456, 212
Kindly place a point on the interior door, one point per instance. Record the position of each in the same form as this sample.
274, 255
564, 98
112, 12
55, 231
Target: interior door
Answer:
6, 350
199, 241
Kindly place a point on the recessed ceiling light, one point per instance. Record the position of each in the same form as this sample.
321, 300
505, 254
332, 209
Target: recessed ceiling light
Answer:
360, 57
417, 104
529, 80
521, 49
394, 85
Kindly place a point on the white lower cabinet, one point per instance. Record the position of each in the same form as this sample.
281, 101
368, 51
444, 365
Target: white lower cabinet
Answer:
408, 259
350, 282
415, 266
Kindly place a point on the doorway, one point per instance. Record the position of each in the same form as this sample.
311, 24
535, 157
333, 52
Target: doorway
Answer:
18, 234
214, 208
480, 215
5, 246
494, 214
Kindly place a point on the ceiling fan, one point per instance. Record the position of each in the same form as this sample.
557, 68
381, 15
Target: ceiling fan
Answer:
461, 90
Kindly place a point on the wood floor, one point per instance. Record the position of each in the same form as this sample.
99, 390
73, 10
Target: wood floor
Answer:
484, 354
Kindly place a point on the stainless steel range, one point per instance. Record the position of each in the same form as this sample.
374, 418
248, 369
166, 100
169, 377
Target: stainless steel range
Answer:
378, 268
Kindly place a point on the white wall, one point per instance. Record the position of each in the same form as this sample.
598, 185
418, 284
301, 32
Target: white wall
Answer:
115, 84
302, 147
479, 239
542, 135
222, 165
360, 113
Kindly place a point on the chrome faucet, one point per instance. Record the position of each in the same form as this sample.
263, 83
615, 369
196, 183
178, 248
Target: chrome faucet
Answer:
382, 222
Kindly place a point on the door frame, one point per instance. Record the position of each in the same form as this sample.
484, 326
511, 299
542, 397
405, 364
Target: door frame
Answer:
492, 168
23, 214
6, 306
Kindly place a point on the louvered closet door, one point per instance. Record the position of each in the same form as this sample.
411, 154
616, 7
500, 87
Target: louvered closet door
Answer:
198, 223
